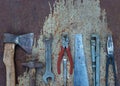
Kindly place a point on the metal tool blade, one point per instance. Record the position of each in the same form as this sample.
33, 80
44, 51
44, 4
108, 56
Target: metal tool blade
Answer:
93, 45
65, 71
80, 71
25, 41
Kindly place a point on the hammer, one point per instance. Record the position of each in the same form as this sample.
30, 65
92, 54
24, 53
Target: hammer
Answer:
24, 41
32, 65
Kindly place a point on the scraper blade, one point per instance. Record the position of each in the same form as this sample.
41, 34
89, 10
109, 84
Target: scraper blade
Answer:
80, 70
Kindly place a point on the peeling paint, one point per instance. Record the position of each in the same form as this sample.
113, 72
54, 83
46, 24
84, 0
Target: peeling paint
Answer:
84, 17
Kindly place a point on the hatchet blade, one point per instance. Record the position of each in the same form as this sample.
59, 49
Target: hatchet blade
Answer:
24, 41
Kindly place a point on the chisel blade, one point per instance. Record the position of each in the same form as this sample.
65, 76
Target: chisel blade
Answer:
80, 70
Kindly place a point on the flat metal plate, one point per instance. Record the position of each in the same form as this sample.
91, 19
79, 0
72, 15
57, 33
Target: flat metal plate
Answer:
80, 70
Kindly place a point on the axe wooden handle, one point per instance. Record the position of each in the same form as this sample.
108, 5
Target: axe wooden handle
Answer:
8, 60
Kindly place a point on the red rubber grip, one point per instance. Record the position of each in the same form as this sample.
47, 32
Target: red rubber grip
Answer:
60, 57
70, 59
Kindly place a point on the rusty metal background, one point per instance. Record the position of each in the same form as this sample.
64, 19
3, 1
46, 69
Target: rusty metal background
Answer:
113, 19
24, 16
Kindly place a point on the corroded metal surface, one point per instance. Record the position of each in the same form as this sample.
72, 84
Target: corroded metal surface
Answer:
24, 16
113, 19
19, 17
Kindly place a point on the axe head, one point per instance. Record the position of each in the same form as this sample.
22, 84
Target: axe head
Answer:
24, 41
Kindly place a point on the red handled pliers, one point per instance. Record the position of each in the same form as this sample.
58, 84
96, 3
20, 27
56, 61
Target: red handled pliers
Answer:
65, 47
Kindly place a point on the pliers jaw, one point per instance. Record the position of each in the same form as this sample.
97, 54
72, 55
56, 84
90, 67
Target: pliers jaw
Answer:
65, 41
110, 47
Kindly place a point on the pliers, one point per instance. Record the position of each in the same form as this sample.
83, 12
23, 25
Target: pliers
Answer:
110, 59
65, 47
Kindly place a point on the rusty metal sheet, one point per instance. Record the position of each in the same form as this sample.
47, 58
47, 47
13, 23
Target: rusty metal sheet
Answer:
113, 19
24, 16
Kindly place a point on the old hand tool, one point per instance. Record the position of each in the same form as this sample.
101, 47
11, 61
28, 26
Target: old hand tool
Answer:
110, 59
48, 54
10, 40
80, 70
32, 65
65, 47
95, 53
65, 71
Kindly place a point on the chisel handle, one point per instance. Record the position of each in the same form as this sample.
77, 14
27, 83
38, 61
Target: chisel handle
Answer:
8, 60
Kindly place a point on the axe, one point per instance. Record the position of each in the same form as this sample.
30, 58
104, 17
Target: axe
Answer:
25, 42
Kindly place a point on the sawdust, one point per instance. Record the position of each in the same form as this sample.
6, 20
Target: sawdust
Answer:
73, 17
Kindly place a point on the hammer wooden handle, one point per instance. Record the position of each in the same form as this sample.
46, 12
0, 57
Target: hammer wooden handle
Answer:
8, 60
32, 73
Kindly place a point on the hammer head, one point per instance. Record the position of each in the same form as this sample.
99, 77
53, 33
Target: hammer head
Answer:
33, 64
24, 41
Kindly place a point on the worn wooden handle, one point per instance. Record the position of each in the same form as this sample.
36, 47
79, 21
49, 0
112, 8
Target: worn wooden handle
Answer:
32, 77
8, 60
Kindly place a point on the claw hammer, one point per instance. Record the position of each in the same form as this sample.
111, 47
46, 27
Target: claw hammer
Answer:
32, 65
25, 41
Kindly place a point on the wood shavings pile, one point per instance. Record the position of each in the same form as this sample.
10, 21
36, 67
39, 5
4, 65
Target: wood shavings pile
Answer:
73, 17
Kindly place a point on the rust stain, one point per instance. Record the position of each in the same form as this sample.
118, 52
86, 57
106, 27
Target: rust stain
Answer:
113, 12
75, 18
29, 16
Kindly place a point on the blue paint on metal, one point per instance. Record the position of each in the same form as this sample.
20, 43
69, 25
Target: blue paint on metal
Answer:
80, 71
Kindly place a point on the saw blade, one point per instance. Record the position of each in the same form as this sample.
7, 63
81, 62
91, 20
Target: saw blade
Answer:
80, 70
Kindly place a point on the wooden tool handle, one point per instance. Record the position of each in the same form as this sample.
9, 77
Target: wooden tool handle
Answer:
8, 60
32, 77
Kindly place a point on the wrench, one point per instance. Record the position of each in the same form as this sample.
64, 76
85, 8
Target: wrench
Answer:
65, 71
48, 52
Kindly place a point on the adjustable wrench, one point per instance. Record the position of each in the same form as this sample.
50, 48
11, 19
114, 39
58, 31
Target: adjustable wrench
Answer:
95, 53
48, 52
